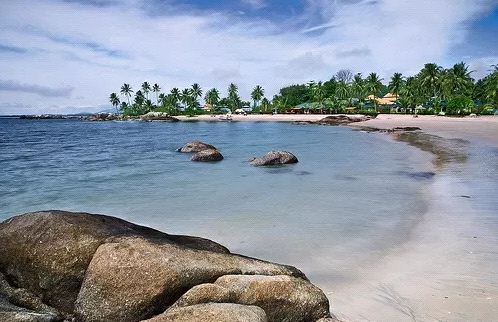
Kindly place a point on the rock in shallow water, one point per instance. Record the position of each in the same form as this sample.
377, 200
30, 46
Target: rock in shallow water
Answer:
102, 268
274, 158
207, 156
196, 146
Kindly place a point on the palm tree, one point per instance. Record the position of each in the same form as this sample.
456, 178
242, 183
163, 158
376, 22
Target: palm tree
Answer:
430, 79
212, 98
457, 80
146, 89
257, 94
395, 84
319, 95
358, 87
233, 96
185, 97
114, 99
196, 92
126, 91
374, 86
265, 103
156, 89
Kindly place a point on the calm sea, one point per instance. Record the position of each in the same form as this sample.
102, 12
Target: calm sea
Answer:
350, 199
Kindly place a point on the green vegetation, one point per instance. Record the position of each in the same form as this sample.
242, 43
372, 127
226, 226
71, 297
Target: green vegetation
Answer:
433, 90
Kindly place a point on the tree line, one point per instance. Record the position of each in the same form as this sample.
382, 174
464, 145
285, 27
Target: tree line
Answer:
432, 90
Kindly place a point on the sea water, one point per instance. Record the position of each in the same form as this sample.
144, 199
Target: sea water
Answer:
351, 196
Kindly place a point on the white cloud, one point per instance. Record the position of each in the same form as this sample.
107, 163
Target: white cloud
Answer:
97, 48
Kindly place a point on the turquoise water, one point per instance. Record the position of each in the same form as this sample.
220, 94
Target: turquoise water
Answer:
350, 199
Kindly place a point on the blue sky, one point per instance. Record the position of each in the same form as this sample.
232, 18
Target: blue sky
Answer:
60, 56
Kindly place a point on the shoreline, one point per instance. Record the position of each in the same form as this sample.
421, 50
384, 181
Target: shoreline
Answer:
444, 270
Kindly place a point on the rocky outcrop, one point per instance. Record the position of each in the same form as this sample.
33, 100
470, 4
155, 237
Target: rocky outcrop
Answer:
195, 146
283, 298
102, 117
342, 119
213, 312
100, 268
203, 152
274, 158
207, 156
158, 116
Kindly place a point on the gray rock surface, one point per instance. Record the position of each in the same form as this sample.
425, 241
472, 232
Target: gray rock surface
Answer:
208, 155
283, 298
196, 146
274, 158
212, 312
343, 119
100, 268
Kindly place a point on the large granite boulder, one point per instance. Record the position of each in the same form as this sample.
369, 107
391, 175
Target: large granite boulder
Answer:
148, 277
48, 252
283, 298
195, 146
274, 158
343, 119
209, 155
100, 268
212, 312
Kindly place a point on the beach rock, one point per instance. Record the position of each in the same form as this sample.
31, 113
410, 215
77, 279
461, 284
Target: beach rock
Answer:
158, 116
343, 119
209, 155
17, 304
204, 293
406, 128
283, 298
49, 252
100, 268
212, 312
196, 146
134, 278
274, 158
102, 117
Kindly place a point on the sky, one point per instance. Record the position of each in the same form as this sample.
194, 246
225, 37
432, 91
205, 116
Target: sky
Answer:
67, 56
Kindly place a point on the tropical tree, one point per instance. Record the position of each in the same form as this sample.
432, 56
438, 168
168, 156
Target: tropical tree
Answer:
395, 84
265, 104
146, 89
212, 97
186, 97
257, 94
430, 79
176, 93
358, 87
491, 87
156, 89
114, 99
319, 95
373, 86
233, 96
344, 75
126, 91
457, 80
196, 93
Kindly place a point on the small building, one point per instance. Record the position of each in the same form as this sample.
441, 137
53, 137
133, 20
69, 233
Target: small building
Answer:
389, 99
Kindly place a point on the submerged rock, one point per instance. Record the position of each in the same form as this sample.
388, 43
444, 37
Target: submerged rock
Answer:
100, 268
274, 158
207, 156
196, 146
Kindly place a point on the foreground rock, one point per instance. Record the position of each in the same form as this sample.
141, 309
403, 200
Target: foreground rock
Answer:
158, 116
207, 156
274, 158
100, 268
213, 312
196, 146
343, 119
